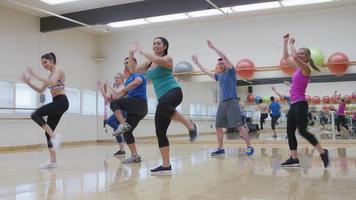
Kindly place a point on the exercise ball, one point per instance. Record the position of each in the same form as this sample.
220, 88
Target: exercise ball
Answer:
318, 57
326, 99
285, 67
353, 97
245, 68
183, 67
266, 99
338, 63
316, 100
335, 98
347, 98
250, 98
258, 99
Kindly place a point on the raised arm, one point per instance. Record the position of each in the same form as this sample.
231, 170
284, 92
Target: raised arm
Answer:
27, 80
286, 55
52, 80
226, 60
202, 68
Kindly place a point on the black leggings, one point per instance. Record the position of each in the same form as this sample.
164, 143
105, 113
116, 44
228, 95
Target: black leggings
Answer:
263, 116
165, 109
136, 109
54, 111
298, 118
341, 120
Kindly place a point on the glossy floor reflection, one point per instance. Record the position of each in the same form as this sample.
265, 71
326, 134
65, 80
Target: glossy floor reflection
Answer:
91, 172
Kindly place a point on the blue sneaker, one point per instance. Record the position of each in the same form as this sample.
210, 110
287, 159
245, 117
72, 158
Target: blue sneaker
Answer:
218, 152
250, 151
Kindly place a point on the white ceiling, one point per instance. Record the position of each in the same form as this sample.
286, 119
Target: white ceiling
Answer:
69, 7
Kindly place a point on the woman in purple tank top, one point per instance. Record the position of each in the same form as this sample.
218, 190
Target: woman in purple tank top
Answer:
340, 118
298, 112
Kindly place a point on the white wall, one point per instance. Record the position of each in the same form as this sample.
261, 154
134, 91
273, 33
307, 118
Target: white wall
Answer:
21, 45
258, 38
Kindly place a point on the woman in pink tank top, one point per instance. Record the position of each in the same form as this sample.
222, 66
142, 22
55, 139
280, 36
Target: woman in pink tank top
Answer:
298, 112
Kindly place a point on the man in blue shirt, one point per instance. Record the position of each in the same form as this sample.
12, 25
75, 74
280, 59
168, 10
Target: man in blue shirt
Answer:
228, 114
275, 113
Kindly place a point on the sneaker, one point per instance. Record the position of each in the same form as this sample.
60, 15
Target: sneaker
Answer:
132, 159
274, 136
162, 170
119, 153
123, 128
218, 152
250, 151
56, 141
291, 163
48, 165
325, 158
193, 133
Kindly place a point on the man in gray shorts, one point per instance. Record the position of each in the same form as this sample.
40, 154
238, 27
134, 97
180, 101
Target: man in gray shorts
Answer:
228, 114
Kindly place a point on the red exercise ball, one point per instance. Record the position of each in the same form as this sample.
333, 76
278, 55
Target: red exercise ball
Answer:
250, 98
335, 98
316, 100
347, 98
245, 68
326, 99
285, 67
338, 63
353, 97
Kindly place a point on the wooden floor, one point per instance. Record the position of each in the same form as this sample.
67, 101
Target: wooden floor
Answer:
91, 172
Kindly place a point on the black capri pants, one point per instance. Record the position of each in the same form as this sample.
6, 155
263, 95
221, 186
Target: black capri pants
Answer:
136, 109
298, 118
165, 109
54, 111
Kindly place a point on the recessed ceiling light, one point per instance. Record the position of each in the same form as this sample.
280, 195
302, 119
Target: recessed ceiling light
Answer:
302, 2
164, 18
54, 2
126, 23
256, 6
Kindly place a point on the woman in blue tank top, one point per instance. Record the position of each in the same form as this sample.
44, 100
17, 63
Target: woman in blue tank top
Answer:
169, 94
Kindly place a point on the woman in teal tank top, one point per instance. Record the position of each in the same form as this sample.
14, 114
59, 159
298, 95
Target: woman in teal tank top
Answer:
169, 95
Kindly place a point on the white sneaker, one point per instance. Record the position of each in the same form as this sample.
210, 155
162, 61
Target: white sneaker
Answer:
48, 165
123, 128
56, 141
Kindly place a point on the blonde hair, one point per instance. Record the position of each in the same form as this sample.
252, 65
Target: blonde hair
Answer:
310, 60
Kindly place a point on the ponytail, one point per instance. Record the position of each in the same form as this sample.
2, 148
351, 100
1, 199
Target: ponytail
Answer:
311, 61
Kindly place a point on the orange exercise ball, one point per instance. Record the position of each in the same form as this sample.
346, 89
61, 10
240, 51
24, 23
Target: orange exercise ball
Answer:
353, 97
338, 63
316, 100
347, 98
285, 67
326, 99
250, 98
335, 98
245, 68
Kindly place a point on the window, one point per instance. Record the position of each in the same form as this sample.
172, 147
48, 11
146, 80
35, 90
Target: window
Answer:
73, 96
6, 96
100, 104
152, 103
25, 98
88, 102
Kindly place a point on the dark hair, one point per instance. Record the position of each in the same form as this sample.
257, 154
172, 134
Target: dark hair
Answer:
272, 98
165, 42
220, 59
311, 61
133, 59
50, 56
260, 101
